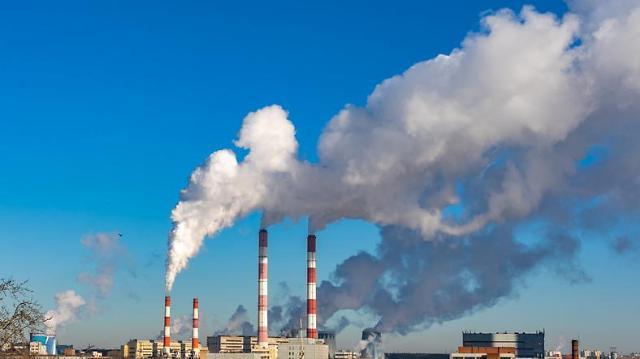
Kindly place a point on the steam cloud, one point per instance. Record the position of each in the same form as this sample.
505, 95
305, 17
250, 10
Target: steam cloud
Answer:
238, 323
180, 327
68, 303
533, 119
108, 253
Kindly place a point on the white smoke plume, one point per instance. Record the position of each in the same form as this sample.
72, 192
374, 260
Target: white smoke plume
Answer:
513, 116
68, 305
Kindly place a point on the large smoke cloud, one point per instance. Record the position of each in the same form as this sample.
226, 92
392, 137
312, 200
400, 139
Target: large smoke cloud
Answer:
534, 118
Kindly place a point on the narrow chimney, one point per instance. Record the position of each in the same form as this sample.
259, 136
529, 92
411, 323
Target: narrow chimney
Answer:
167, 326
195, 343
312, 332
575, 349
263, 331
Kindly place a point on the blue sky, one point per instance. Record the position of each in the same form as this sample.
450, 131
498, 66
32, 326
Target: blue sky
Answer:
106, 108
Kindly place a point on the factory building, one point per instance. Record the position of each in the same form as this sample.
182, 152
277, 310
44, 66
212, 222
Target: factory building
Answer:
470, 352
307, 348
239, 343
416, 356
43, 343
346, 354
177, 349
374, 340
329, 338
137, 349
234, 356
144, 348
527, 345
228, 344
262, 346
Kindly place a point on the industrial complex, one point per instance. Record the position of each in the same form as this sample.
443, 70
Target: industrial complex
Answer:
314, 345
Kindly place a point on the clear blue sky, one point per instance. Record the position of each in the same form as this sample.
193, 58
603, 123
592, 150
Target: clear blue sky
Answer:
106, 108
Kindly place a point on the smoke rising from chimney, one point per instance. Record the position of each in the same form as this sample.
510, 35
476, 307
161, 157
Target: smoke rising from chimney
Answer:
501, 128
68, 305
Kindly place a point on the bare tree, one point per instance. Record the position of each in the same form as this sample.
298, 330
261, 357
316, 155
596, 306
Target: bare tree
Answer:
19, 312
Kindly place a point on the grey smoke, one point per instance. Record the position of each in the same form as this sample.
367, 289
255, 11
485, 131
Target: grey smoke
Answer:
238, 323
623, 245
532, 120
180, 328
288, 316
107, 254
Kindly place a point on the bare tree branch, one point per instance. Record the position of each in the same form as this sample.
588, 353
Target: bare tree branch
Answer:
19, 312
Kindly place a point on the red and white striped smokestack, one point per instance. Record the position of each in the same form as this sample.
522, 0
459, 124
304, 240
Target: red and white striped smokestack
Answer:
195, 342
263, 331
167, 325
312, 332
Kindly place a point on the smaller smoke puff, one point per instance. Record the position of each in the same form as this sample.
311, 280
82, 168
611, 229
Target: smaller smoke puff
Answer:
68, 306
238, 323
108, 253
180, 328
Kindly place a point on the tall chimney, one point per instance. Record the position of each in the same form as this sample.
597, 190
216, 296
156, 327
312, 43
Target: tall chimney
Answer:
167, 326
312, 332
195, 343
575, 349
263, 331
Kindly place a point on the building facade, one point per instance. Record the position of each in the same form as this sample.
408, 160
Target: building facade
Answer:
303, 348
329, 338
527, 345
346, 354
138, 349
484, 353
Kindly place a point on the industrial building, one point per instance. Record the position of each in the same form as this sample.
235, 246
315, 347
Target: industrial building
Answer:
239, 343
177, 349
527, 345
144, 348
229, 344
42, 344
307, 348
262, 346
137, 349
329, 338
469, 352
346, 354
416, 356
234, 356
374, 340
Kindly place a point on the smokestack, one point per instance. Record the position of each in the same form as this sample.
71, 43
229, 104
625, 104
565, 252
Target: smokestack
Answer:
195, 343
312, 332
575, 349
167, 326
263, 331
